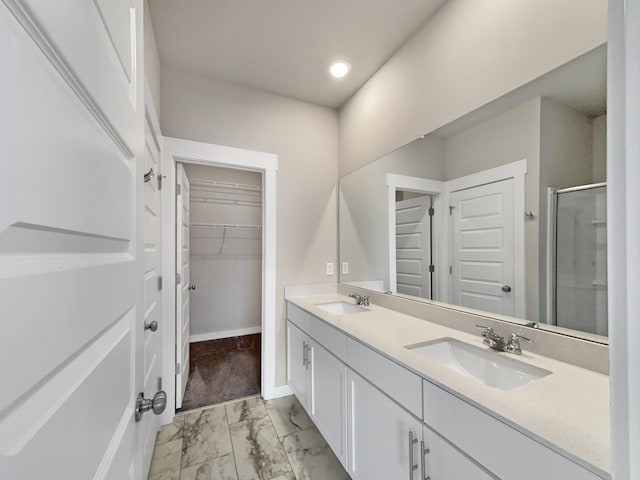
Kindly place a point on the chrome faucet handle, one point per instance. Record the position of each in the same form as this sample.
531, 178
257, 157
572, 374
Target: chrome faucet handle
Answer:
515, 336
514, 343
486, 329
360, 299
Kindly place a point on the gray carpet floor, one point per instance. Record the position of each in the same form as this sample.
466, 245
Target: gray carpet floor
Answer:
222, 370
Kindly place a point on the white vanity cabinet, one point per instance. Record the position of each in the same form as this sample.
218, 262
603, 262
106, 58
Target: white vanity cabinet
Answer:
319, 379
501, 449
384, 438
328, 398
384, 421
442, 461
297, 369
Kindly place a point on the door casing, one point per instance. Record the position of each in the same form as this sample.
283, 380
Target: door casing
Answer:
188, 151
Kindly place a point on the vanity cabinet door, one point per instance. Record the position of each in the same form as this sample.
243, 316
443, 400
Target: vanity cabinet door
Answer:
297, 350
442, 461
380, 435
328, 398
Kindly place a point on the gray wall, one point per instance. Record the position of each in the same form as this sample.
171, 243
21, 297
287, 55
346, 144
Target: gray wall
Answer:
470, 53
304, 137
600, 149
151, 59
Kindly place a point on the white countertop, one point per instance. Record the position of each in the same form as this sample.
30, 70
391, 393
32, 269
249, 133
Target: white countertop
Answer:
567, 411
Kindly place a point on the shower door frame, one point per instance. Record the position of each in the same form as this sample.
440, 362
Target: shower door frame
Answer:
552, 221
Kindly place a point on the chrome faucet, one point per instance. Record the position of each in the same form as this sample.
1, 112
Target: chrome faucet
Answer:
360, 299
498, 342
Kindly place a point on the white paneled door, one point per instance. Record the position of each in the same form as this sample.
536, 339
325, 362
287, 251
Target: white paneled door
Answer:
153, 327
182, 282
71, 290
483, 247
413, 246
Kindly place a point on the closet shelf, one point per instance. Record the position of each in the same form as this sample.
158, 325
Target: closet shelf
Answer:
226, 225
225, 201
217, 184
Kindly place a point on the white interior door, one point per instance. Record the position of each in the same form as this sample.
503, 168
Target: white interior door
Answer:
152, 283
482, 247
413, 246
71, 303
182, 286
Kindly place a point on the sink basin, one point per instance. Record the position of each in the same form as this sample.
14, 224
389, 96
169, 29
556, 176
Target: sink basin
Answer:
341, 308
483, 365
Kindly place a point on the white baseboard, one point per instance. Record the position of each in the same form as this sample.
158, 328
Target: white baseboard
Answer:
277, 392
202, 337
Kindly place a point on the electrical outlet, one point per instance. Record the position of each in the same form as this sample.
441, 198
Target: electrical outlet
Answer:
345, 268
329, 268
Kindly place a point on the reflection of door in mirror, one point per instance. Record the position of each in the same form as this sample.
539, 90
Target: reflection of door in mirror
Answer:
482, 247
414, 270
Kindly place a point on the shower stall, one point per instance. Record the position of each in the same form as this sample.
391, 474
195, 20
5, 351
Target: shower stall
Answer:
577, 253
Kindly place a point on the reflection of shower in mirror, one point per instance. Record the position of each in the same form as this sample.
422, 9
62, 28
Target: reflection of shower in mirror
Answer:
577, 261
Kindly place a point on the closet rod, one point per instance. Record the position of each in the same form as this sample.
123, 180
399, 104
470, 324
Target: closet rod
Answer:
226, 225
215, 183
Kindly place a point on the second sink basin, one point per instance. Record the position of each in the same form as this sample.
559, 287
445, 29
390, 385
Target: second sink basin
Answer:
341, 308
483, 365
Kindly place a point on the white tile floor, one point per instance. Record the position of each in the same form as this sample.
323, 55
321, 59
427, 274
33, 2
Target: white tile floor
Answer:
244, 440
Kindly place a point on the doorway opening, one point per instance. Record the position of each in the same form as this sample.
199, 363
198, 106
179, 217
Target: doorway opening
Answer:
219, 295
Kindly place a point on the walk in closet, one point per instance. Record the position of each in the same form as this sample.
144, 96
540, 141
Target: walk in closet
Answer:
225, 284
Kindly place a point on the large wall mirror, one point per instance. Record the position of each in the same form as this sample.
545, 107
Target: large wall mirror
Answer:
501, 211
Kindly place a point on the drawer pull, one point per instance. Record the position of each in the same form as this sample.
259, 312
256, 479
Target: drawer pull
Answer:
412, 467
424, 452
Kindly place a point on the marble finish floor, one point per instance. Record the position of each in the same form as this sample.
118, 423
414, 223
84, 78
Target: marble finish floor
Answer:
250, 439
222, 370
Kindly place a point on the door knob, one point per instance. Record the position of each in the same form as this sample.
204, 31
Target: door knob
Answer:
153, 326
192, 286
506, 288
158, 403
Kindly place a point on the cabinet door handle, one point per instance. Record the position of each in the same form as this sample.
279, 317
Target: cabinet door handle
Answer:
412, 467
308, 356
423, 453
304, 354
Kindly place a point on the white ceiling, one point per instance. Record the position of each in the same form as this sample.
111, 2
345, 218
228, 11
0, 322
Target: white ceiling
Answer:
285, 46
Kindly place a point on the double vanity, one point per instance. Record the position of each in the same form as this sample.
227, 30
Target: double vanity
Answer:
401, 397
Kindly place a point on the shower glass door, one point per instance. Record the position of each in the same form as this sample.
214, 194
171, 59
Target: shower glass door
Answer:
581, 259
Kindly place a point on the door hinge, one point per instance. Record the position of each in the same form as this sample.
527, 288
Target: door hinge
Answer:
160, 284
450, 270
178, 189
431, 212
178, 279
432, 268
177, 368
451, 208
160, 177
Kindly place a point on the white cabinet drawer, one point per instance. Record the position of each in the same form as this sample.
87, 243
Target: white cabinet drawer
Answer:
329, 337
399, 383
498, 447
298, 317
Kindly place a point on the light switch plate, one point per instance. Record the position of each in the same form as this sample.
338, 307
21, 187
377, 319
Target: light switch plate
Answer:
345, 268
329, 268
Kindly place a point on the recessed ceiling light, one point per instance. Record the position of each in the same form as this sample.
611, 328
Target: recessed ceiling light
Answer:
339, 69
